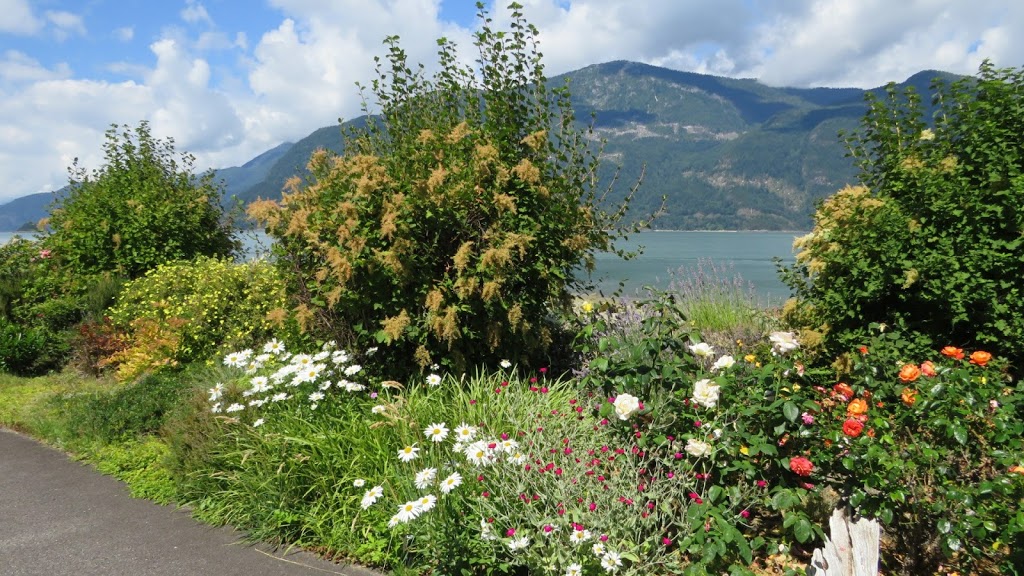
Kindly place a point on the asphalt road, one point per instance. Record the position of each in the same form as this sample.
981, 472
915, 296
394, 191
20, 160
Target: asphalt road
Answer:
59, 517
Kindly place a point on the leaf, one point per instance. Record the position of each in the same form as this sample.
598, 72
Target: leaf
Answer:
803, 530
791, 411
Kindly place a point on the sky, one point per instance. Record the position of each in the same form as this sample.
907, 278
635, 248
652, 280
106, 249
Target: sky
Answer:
229, 79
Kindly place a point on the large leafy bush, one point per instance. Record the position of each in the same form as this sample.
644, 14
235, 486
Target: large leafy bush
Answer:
187, 311
144, 207
455, 223
933, 239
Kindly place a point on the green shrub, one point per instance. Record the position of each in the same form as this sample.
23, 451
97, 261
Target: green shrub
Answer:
452, 227
187, 311
31, 350
125, 412
144, 207
932, 239
931, 445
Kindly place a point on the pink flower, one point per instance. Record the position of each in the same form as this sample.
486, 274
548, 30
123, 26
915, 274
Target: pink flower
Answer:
510, 532
593, 506
807, 418
548, 528
603, 538
745, 513
666, 541
761, 483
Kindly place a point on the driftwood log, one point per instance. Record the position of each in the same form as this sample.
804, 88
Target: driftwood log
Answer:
850, 550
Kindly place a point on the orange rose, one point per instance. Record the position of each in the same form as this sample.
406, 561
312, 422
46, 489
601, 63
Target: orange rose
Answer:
1017, 469
980, 357
863, 350
953, 352
857, 407
909, 396
801, 466
852, 428
909, 373
928, 369
843, 389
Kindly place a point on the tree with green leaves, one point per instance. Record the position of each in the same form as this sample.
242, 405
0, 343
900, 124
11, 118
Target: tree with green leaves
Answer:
933, 238
143, 207
458, 220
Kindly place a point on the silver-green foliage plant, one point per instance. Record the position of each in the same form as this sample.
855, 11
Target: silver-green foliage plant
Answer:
457, 220
144, 207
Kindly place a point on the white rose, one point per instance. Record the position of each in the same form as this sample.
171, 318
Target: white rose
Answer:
705, 393
723, 363
626, 405
783, 342
697, 448
702, 349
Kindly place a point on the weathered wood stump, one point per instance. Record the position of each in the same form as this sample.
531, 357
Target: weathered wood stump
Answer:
850, 550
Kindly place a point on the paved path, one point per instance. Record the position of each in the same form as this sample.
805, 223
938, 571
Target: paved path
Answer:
59, 517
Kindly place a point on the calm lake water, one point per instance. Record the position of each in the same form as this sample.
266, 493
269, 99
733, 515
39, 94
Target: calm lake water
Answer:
747, 254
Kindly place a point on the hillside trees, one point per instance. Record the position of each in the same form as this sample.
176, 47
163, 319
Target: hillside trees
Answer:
143, 207
933, 238
455, 224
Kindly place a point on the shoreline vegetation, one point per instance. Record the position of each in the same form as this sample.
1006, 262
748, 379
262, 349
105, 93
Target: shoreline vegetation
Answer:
411, 385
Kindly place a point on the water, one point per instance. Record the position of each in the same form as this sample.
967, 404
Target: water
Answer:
748, 254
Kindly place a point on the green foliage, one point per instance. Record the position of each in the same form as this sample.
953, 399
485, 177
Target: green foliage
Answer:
144, 207
932, 446
932, 241
186, 311
124, 412
453, 225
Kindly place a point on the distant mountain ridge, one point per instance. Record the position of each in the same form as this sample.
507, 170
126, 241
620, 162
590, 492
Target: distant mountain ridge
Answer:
727, 153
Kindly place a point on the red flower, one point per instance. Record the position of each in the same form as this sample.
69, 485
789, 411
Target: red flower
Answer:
851, 428
801, 466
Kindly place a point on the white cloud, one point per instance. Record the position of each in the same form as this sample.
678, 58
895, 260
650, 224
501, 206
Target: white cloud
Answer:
300, 73
124, 34
65, 24
194, 13
16, 18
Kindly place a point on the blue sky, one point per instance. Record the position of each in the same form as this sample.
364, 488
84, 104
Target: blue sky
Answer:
228, 79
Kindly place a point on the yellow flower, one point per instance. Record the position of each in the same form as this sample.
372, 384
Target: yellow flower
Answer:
750, 358
587, 307
744, 450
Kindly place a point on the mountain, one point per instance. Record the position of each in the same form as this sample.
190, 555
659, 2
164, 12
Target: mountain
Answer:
22, 213
727, 153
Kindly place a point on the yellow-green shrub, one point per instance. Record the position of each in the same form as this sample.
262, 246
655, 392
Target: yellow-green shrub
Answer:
187, 311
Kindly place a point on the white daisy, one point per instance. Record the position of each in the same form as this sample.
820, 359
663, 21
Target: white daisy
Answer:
409, 511
518, 543
427, 503
359, 483
353, 370
598, 549
316, 396
436, 432
378, 409
274, 346
371, 496
258, 423
579, 536
574, 570
611, 561
509, 446
464, 432
408, 454
517, 458
279, 397
300, 361
236, 407
505, 364
425, 477
434, 380
451, 482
